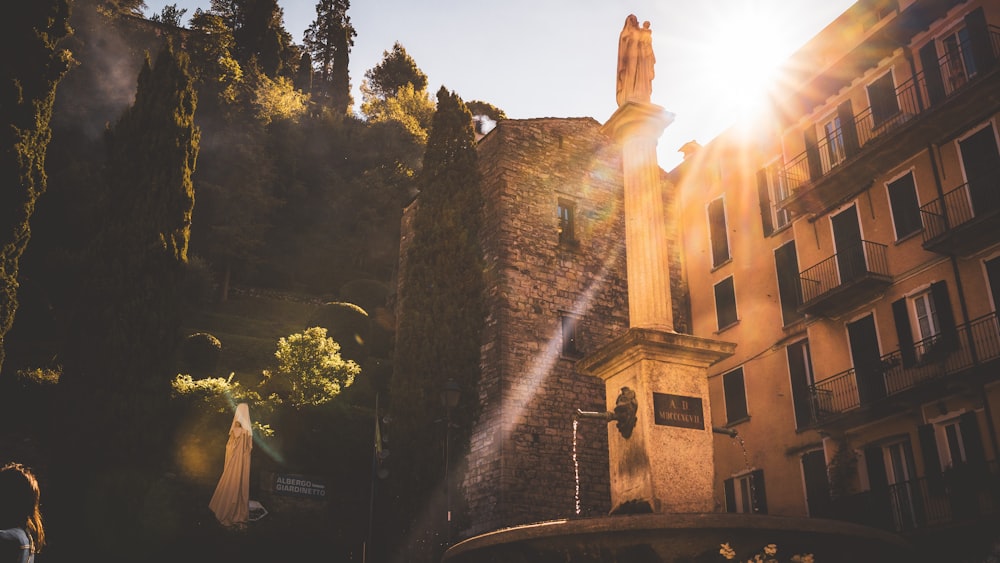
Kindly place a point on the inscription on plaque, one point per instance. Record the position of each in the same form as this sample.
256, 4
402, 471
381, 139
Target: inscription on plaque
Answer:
678, 410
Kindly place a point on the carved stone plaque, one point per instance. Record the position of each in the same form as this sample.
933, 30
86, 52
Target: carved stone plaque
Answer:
678, 410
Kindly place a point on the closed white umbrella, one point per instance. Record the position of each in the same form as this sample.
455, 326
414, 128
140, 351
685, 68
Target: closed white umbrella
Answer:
231, 501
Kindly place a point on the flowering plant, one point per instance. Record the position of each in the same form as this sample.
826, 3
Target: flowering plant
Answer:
767, 555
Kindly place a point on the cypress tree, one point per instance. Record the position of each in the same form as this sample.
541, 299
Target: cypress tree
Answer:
441, 314
128, 322
28, 80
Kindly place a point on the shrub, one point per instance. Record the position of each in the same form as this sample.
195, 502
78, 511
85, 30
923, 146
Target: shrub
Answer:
310, 370
200, 353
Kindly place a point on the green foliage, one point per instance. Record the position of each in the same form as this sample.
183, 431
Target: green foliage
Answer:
261, 38
440, 311
478, 107
128, 320
411, 108
39, 377
366, 293
329, 40
215, 394
842, 470
201, 352
348, 324
170, 15
396, 70
310, 370
276, 99
767, 554
214, 66
28, 83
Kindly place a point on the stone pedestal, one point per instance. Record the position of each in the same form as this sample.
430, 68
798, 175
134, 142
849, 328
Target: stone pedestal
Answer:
666, 464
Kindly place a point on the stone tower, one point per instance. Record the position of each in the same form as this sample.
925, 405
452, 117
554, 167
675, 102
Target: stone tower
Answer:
553, 239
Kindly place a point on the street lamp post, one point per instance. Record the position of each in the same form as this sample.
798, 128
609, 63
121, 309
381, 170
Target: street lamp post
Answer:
450, 395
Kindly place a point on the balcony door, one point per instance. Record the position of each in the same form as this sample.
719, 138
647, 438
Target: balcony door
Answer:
847, 239
900, 474
993, 277
867, 359
981, 162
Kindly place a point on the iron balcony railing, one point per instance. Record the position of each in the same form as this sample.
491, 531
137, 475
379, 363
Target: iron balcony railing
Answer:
967, 492
913, 97
959, 207
860, 261
942, 355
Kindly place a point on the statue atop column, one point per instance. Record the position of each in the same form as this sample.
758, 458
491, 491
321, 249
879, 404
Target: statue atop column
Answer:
635, 62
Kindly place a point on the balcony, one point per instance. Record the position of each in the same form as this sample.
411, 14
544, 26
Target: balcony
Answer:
962, 494
855, 396
963, 221
932, 105
845, 279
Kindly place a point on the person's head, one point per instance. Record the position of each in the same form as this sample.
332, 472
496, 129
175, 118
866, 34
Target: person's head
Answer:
19, 501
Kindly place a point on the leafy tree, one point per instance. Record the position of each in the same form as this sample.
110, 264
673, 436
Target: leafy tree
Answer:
126, 7
440, 312
170, 15
396, 70
310, 370
27, 92
485, 115
218, 74
258, 27
275, 99
409, 107
329, 40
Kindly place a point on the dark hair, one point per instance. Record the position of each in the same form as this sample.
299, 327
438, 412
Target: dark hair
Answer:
19, 502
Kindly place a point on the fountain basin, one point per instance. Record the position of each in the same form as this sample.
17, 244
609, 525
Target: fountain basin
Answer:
676, 538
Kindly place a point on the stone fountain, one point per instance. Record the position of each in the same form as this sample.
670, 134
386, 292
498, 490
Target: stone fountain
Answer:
661, 447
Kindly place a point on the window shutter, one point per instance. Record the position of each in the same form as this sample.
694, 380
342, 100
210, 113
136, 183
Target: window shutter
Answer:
734, 389
949, 332
801, 399
759, 492
764, 197
875, 464
812, 153
905, 207
848, 128
900, 313
789, 287
932, 72
932, 463
720, 238
979, 34
972, 439
730, 488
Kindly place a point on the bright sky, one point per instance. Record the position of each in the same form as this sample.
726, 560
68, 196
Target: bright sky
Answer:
558, 58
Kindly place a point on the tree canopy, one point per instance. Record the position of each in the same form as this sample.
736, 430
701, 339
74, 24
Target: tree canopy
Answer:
396, 70
328, 40
27, 95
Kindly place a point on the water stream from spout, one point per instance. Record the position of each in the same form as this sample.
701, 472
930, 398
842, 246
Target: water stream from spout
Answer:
753, 482
576, 469
746, 460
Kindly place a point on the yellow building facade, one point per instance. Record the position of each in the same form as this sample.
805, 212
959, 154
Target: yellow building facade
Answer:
848, 241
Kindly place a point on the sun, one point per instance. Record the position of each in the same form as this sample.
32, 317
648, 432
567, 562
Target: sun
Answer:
743, 49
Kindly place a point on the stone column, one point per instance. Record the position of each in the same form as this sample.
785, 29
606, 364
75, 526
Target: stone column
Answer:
661, 447
636, 126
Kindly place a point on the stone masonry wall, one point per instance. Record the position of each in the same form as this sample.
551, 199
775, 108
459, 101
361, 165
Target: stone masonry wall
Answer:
521, 460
